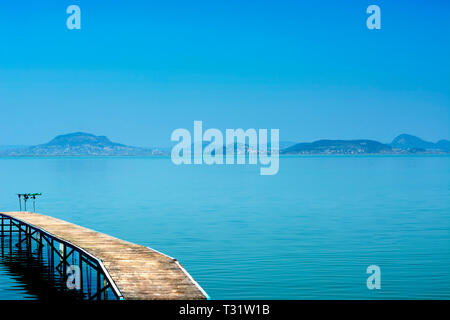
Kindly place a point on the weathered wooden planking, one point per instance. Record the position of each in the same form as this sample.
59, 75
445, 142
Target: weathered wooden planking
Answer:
139, 272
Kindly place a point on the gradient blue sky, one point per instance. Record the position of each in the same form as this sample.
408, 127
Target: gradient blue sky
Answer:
139, 69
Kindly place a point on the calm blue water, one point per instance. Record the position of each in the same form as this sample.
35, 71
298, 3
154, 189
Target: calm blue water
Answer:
309, 232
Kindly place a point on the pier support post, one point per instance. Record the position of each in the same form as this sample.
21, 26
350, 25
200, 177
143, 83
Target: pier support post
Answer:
105, 293
19, 230
64, 264
39, 245
10, 239
98, 284
52, 258
28, 240
81, 274
3, 235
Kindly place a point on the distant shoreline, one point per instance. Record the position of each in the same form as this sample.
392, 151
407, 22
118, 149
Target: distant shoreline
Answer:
81, 144
281, 155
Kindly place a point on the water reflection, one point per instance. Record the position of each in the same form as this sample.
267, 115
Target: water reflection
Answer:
31, 271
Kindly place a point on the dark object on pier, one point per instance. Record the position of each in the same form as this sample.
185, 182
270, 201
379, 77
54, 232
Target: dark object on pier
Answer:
27, 196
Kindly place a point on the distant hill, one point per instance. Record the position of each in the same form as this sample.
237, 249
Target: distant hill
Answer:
443, 145
339, 147
402, 144
410, 142
79, 144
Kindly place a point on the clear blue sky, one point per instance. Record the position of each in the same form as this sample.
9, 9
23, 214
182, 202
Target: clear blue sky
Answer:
139, 69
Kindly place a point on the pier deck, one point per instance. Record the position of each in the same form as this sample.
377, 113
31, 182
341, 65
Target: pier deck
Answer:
140, 273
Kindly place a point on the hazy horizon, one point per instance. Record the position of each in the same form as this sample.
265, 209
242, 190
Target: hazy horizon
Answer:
172, 143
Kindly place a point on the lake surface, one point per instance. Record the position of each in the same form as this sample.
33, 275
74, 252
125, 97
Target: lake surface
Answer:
308, 232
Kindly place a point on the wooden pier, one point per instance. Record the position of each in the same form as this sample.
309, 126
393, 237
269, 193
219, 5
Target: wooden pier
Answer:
130, 270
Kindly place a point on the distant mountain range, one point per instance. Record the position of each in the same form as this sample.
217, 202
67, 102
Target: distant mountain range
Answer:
86, 144
79, 144
402, 144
